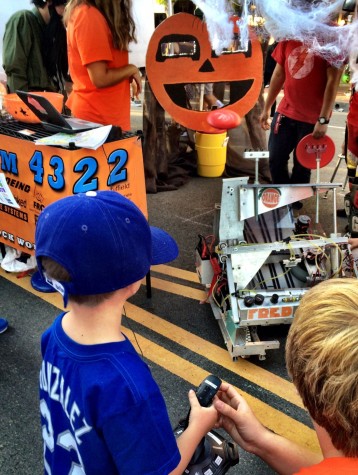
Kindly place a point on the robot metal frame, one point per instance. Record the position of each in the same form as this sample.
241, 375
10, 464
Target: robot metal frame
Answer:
261, 260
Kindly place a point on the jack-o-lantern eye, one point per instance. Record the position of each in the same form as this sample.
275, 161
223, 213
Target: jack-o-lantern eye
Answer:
236, 48
180, 59
175, 46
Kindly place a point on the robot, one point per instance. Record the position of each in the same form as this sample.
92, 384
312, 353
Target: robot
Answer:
261, 259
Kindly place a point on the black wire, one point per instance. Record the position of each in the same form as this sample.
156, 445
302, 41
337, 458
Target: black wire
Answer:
131, 329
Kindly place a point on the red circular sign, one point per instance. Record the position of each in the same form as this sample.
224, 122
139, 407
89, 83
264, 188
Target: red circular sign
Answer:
270, 197
309, 149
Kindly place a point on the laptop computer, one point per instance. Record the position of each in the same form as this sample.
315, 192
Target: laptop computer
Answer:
50, 118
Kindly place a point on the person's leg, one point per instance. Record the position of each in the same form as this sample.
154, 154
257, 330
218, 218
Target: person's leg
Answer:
280, 146
300, 174
352, 154
219, 90
210, 100
351, 199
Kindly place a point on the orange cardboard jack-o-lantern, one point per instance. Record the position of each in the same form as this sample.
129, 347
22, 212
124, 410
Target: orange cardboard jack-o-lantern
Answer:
179, 53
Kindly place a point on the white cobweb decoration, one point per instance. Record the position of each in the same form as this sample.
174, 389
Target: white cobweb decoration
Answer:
311, 24
217, 21
301, 20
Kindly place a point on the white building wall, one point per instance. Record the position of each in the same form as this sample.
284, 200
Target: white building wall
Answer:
6, 10
143, 13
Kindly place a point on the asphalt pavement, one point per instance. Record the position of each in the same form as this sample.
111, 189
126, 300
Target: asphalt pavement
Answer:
176, 333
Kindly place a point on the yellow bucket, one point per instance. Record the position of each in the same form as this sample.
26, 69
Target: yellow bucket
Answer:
211, 152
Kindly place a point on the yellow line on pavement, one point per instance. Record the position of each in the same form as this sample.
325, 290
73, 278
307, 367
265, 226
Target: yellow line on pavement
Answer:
178, 289
272, 418
263, 378
220, 356
53, 298
275, 420
175, 272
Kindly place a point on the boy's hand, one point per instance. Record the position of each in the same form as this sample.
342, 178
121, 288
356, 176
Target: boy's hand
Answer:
203, 417
236, 417
353, 243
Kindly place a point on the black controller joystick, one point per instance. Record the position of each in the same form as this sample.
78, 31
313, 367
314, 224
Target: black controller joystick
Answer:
205, 394
207, 390
214, 454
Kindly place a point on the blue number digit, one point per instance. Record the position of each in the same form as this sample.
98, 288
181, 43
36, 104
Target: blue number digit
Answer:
9, 162
119, 158
89, 166
56, 181
37, 167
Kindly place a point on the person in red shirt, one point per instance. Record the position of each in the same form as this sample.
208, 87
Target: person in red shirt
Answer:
350, 209
310, 85
98, 35
322, 360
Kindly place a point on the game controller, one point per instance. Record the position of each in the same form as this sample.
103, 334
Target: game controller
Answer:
215, 454
207, 390
205, 394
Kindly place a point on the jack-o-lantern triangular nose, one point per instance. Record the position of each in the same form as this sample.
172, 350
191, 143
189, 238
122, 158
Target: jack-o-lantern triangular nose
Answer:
206, 67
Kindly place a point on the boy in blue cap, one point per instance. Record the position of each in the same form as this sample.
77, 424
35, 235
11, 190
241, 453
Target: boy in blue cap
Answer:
101, 410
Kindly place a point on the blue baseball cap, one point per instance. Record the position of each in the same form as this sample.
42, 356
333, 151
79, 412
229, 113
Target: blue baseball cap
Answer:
102, 239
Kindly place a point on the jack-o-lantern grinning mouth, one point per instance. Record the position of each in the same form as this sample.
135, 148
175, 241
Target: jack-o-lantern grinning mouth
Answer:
238, 90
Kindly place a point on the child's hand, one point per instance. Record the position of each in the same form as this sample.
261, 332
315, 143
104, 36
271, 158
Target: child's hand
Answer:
204, 418
237, 418
353, 243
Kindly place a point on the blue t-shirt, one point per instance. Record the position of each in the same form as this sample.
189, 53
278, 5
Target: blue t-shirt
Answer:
101, 410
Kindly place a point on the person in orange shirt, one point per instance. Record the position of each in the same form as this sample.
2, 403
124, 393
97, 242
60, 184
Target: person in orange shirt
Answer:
98, 35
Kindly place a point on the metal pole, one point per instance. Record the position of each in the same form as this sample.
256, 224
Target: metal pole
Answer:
318, 161
201, 98
340, 158
335, 211
256, 203
170, 8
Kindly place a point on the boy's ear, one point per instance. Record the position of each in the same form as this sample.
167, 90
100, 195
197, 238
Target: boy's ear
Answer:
133, 288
